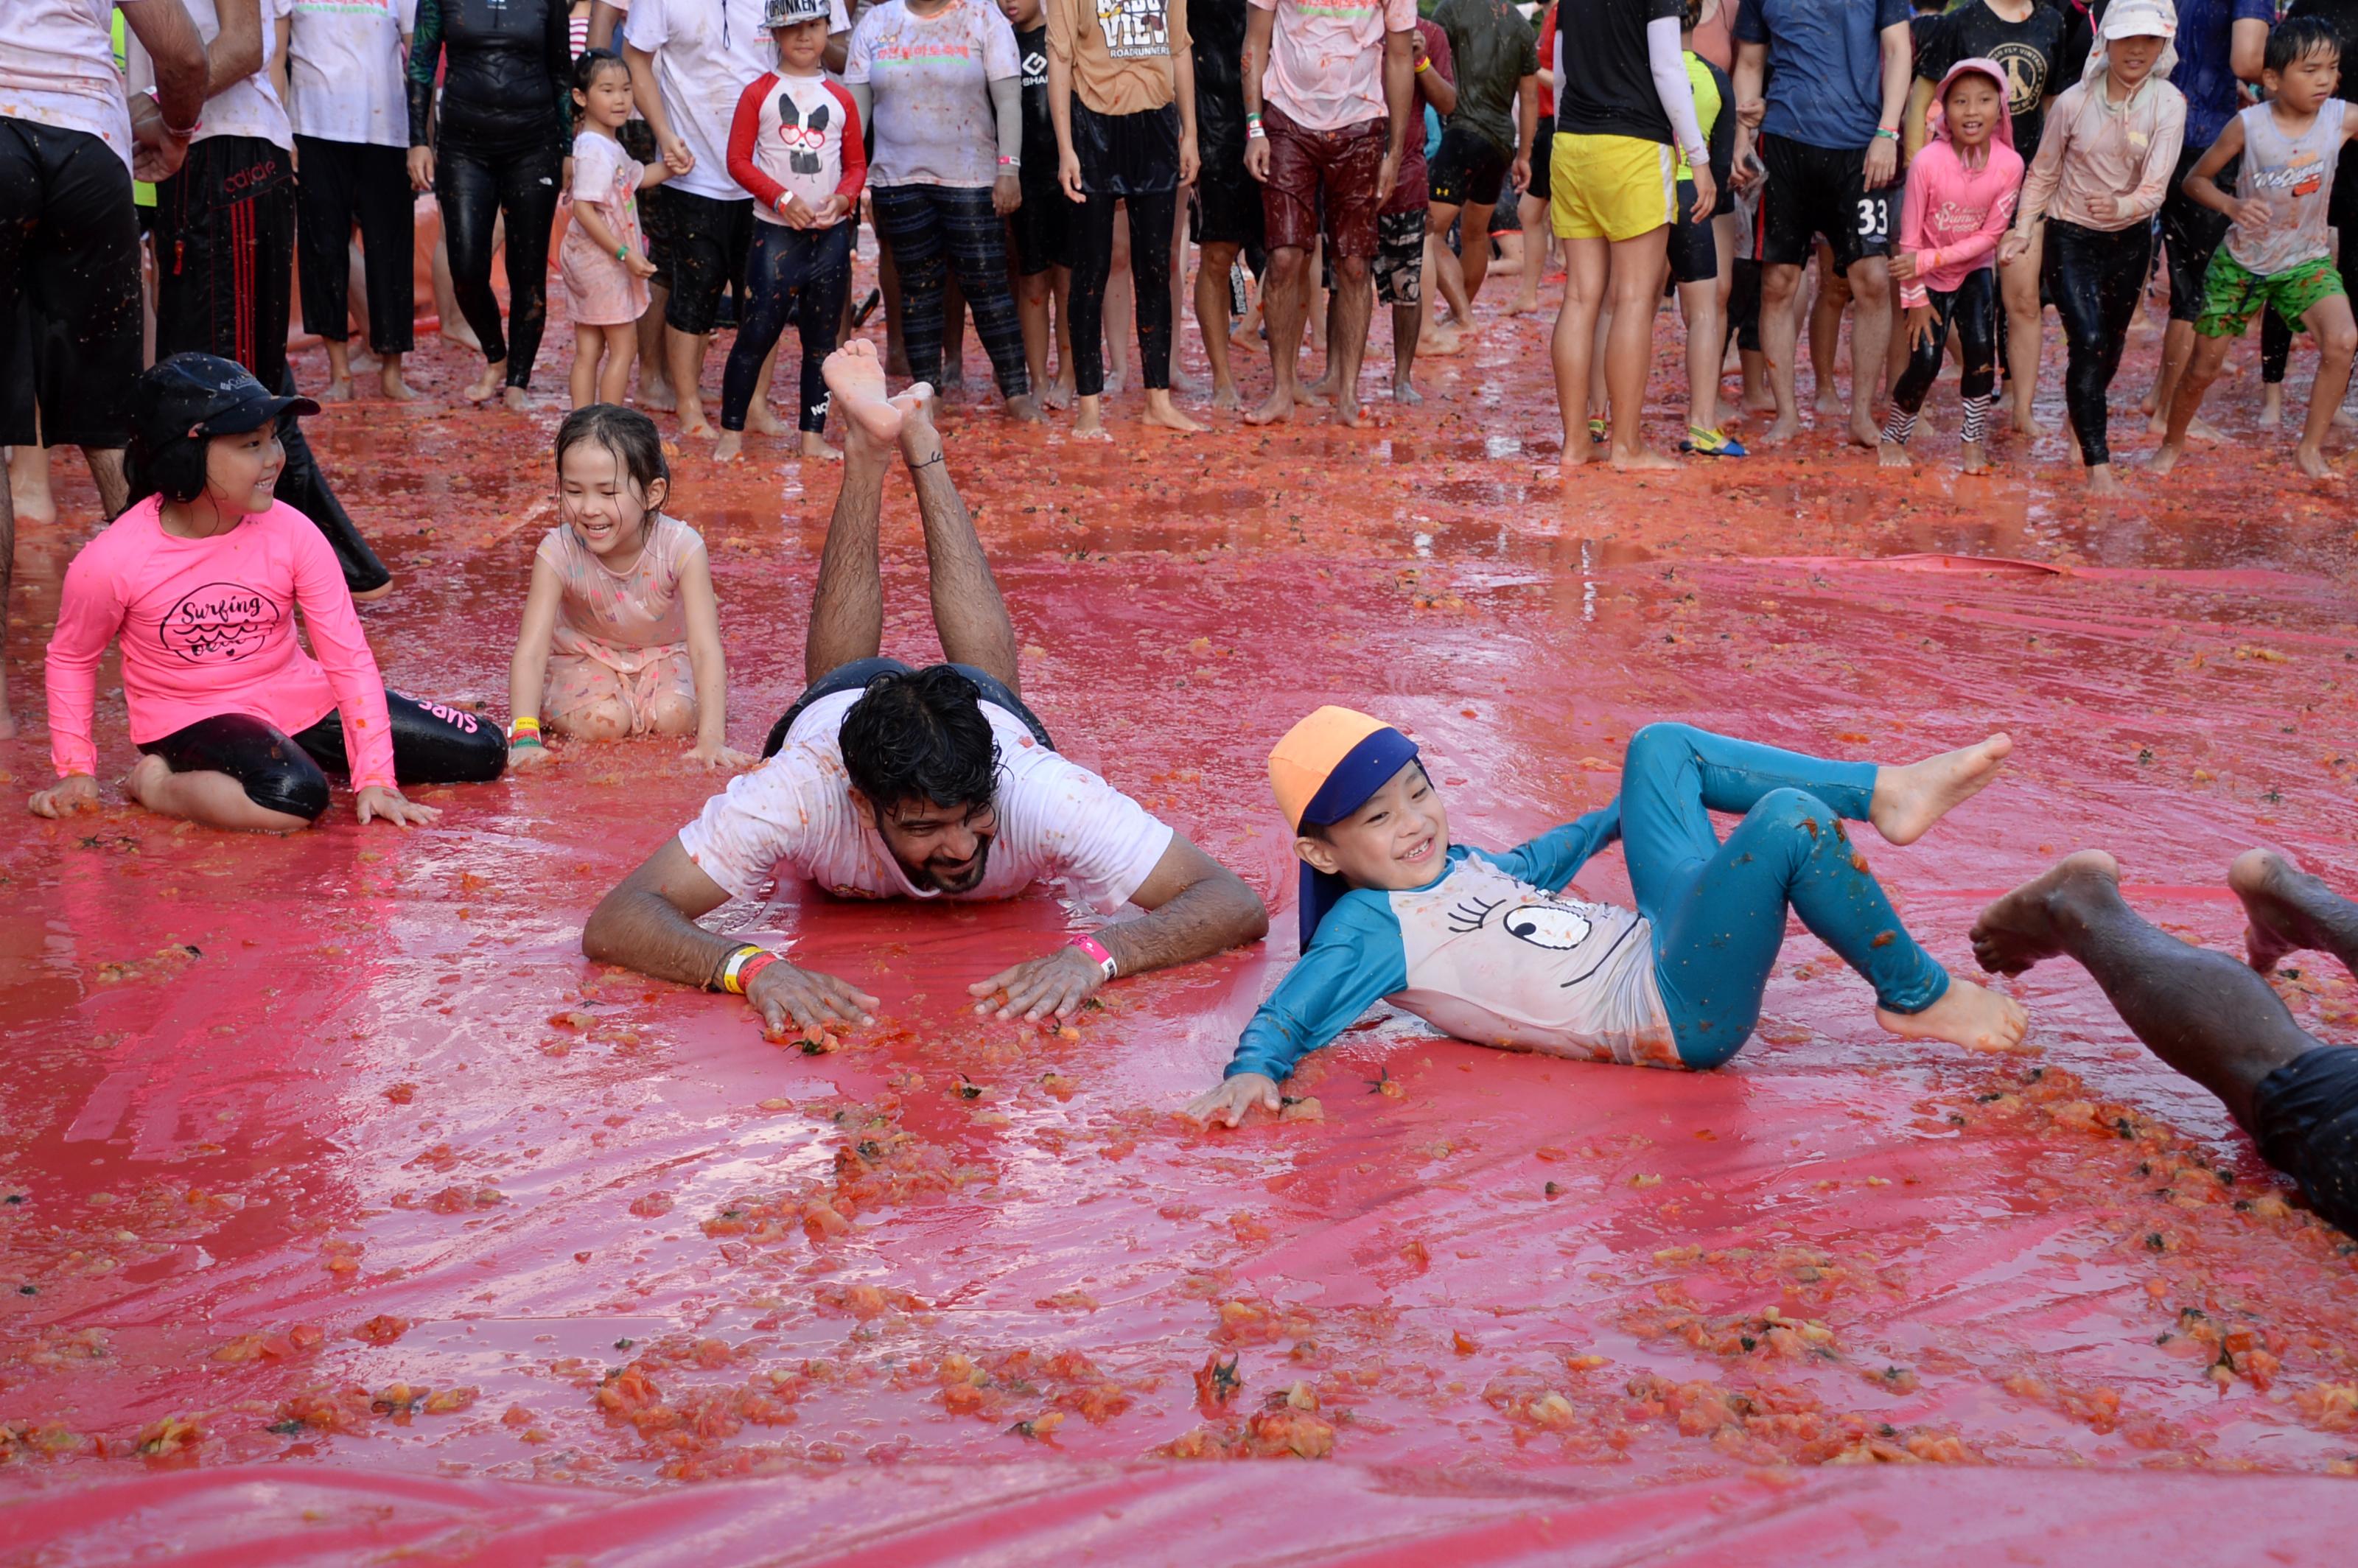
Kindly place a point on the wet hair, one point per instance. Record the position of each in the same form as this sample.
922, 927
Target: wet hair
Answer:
630, 435
921, 735
2298, 38
1690, 14
593, 61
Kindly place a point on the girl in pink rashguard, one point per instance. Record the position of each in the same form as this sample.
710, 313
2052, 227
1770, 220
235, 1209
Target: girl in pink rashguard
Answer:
1960, 194
200, 582
621, 630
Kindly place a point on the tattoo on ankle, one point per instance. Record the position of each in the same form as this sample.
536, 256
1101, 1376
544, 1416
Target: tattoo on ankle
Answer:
926, 462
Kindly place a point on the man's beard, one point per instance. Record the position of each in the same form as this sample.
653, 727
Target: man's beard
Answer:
968, 877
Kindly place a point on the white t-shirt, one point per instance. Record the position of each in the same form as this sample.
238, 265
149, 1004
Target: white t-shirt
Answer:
57, 67
343, 71
1057, 821
929, 77
705, 52
246, 108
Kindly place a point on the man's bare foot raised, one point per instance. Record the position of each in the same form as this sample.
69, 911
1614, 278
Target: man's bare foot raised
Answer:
2020, 929
1970, 1015
855, 377
1908, 800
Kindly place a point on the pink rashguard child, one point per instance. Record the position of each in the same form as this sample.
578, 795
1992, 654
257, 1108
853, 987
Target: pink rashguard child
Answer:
213, 676
1961, 193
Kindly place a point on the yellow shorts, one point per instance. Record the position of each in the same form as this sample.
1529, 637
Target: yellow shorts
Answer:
1610, 187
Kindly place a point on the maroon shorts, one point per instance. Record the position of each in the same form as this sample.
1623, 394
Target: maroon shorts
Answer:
1333, 172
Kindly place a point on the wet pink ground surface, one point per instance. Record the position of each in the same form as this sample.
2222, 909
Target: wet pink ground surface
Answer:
350, 1211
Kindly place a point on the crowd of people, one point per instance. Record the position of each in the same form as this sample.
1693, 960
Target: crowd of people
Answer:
1947, 174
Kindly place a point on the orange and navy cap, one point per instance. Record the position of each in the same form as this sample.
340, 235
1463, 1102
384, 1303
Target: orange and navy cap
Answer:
1323, 771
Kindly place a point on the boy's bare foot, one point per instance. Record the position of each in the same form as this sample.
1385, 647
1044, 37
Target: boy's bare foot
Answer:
1866, 430
763, 420
2101, 481
1908, 800
1517, 306
1276, 411
1974, 458
2018, 930
514, 399
1319, 393
1246, 333
2163, 458
1892, 455
2274, 892
1404, 392
2271, 413
2197, 430
486, 387
389, 381
1185, 383
2312, 462
1162, 411
1781, 429
815, 446
1967, 1014
731, 444
1829, 405
855, 377
1226, 398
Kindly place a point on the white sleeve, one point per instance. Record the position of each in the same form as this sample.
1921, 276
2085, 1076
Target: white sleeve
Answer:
643, 26
1103, 844
1668, 65
774, 814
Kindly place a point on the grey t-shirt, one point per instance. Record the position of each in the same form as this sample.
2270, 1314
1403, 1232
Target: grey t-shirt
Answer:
1493, 49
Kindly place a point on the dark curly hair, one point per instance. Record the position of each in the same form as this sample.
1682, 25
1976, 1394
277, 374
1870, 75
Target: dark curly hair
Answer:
921, 735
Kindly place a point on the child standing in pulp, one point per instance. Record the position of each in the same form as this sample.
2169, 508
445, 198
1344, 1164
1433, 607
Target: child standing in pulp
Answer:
1960, 194
1121, 95
796, 145
621, 633
2104, 160
1704, 274
2278, 251
603, 258
1040, 230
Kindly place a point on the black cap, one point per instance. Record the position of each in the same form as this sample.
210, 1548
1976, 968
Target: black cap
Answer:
195, 397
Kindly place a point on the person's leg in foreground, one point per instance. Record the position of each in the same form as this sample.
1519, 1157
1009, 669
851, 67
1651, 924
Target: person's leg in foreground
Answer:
2204, 1015
1718, 910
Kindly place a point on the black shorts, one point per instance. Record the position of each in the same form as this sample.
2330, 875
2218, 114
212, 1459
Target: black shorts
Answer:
1541, 151
1820, 190
855, 676
1466, 170
1695, 249
1226, 204
654, 210
2306, 1123
1040, 232
1124, 155
431, 744
2190, 232
69, 288
710, 242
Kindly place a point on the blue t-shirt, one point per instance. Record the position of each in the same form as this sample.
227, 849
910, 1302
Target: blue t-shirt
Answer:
2206, 73
1825, 65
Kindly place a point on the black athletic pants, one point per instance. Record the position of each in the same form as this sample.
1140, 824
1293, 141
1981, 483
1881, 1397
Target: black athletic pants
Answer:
1970, 311
475, 191
2098, 278
431, 744
340, 184
69, 288
225, 275
1124, 157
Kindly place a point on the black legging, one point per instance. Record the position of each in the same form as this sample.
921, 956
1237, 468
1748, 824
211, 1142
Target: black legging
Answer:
1971, 310
473, 190
431, 744
2099, 277
1152, 215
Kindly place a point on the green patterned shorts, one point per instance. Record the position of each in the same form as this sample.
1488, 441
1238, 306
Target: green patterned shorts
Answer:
2232, 293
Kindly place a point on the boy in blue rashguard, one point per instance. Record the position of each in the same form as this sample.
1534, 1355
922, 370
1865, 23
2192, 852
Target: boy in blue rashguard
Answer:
1488, 948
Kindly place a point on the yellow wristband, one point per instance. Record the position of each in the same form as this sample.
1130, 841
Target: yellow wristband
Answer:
1425, 64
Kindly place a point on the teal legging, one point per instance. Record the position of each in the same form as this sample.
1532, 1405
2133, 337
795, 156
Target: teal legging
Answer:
1718, 910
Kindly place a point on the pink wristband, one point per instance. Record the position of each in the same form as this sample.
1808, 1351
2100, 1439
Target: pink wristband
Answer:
1097, 950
